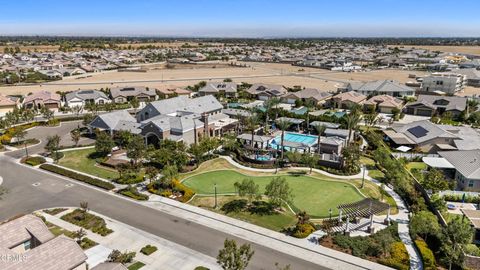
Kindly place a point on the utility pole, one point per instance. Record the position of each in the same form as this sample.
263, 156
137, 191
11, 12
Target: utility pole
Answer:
363, 177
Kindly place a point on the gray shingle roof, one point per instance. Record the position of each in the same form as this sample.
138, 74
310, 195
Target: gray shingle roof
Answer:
111, 119
380, 86
431, 101
184, 104
466, 162
427, 131
132, 91
85, 94
215, 87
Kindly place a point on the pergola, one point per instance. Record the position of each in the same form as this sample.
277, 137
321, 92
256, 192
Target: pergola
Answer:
365, 208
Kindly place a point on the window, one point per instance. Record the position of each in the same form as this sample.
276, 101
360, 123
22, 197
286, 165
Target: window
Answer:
470, 183
26, 245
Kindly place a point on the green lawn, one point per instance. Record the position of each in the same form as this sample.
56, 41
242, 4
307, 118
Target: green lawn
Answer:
79, 160
416, 165
136, 265
275, 222
314, 195
373, 171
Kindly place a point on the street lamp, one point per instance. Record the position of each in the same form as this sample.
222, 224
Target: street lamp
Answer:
330, 212
215, 188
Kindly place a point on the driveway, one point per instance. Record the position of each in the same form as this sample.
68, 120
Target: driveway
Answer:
42, 132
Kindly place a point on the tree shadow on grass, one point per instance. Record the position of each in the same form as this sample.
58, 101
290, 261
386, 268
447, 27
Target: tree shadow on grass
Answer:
261, 208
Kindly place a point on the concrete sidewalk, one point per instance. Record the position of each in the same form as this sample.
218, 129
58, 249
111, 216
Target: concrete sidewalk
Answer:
126, 238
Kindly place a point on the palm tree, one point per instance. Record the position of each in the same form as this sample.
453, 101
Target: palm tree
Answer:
371, 120
251, 124
320, 130
268, 105
352, 119
283, 125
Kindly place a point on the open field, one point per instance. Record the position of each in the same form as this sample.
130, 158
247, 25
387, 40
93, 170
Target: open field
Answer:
452, 49
33, 48
314, 195
272, 73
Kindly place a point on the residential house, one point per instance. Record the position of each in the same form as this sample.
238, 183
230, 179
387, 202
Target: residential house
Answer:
381, 87
178, 119
266, 91
80, 98
423, 135
472, 76
448, 83
170, 92
226, 89
383, 103
30, 245
39, 99
429, 105
467, 168
125, 94
314, 95
348, 99
7, 104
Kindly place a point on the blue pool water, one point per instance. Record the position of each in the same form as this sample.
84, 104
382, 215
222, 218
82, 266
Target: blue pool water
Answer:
263, 158
294, 137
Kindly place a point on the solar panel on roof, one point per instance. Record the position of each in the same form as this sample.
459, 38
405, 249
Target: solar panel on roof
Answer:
418, 131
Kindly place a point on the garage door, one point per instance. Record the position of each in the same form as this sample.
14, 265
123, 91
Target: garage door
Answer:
423, 112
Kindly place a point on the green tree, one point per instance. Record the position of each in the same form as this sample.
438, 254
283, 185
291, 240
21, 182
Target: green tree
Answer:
251, 124
79, 235
121, 257
47, 113
424, 224
135, 104
268, 105
455, 236
435, 181
87, 119
151, 173
19, 134
170, 173
320, 130
278, 191
282, 125
248, 188
53, 143
310, 160
370, 120
351, 158
352, 120
136, 149
75, 135
197, 152
232, 257
104, 144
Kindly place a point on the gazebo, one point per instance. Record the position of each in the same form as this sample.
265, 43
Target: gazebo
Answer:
365, 208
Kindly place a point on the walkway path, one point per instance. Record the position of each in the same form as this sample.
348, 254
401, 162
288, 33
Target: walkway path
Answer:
403, 220
345, 177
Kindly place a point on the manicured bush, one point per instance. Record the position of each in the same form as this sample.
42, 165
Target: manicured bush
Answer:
186, 191
133, 193
88, 221
77, 176
427, 255
399, 258
234, 206
34, 161
87, 243
148, 249
54, 211
303, 230
201, 268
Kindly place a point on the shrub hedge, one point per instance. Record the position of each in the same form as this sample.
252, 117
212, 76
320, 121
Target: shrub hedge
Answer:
148, 249
399, 258
77, 176
458, 198
427, 255
34, 161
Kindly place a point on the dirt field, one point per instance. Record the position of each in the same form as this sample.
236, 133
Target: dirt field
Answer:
258, 72
470, 91
454, 49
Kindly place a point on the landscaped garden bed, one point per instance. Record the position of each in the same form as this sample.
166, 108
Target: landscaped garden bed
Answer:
85, 242
88, 221
34, 161
77, 176
55, 211
148, 249
133, 193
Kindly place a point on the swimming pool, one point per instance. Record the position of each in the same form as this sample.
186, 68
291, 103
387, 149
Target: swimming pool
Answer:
305, 139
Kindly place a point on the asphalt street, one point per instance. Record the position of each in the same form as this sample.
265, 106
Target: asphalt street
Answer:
30, 190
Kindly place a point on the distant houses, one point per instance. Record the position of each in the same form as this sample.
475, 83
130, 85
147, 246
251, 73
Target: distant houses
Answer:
266, 91
125, 94
226, 89
381, 87
81, 98
316, 96
428, 105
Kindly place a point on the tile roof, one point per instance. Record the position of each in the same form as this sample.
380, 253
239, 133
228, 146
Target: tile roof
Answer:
42, 95
350, 96
380, 86
85, 94
22, 229
132, 91
185, 104
426, 131
447, 102
215, 87
7, 101
111, 119
384, 101
310, 93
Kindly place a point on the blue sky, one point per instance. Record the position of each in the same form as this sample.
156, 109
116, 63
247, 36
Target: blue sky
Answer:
246, 18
